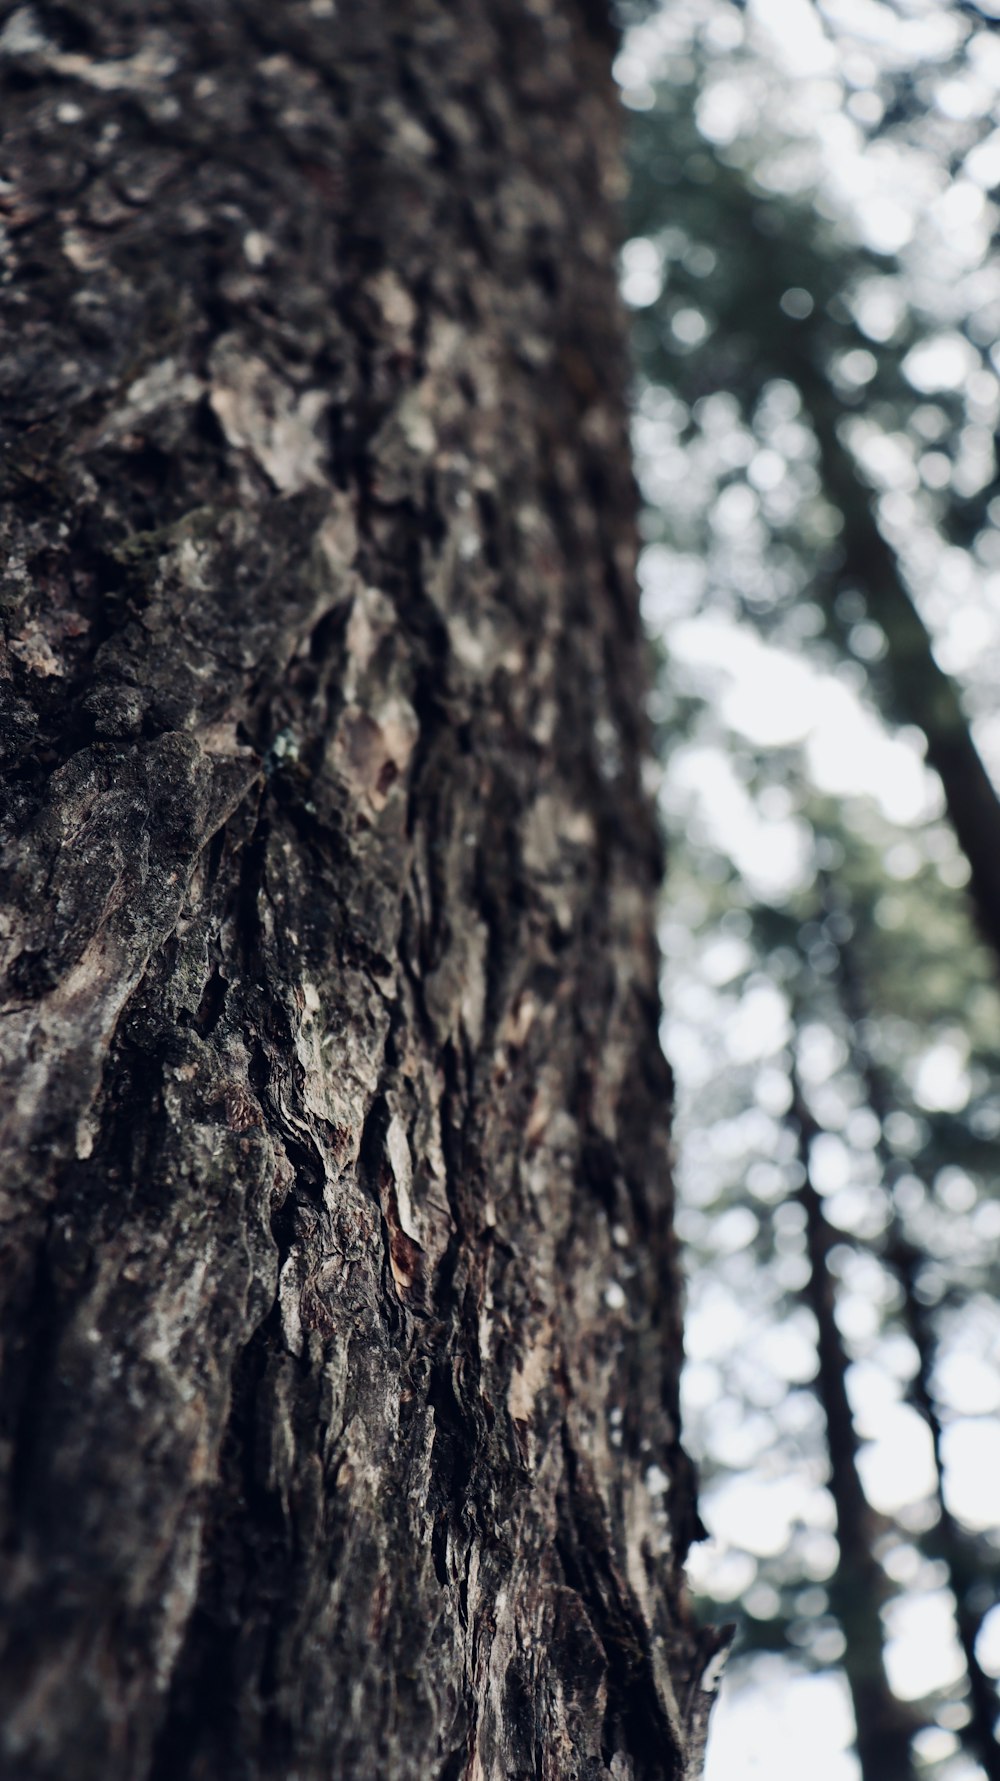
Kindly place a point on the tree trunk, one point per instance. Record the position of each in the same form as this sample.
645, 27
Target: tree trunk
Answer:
916, 689
339, 1299
859, 1587
947, 1540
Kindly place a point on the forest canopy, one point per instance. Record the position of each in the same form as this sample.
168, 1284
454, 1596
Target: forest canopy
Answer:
814, 279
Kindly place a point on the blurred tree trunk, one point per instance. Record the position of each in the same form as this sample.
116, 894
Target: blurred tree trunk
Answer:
859, 1587
967, 1567
339, 1298
914, 688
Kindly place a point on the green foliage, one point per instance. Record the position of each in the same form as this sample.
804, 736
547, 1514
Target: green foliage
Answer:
812, 472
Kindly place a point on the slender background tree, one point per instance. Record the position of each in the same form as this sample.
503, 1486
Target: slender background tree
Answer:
814, 274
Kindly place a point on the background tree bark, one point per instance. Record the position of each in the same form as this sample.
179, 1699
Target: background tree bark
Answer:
340, 1309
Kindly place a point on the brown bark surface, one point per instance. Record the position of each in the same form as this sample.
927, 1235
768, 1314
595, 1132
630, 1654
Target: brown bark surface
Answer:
338, 1302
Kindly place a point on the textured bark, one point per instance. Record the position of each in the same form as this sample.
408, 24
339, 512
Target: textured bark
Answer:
339, 1299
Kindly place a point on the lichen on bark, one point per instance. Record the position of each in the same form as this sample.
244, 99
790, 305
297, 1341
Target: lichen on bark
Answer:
339, 1303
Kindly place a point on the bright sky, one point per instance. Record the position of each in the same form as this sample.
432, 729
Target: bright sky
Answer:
762, 1732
